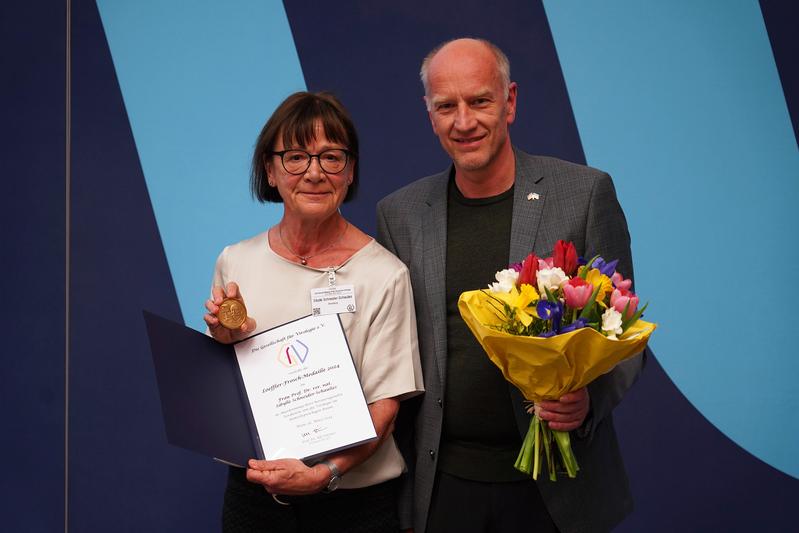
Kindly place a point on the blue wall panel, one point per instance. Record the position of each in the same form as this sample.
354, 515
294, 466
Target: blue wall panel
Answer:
168, 99
199, 80
683, 103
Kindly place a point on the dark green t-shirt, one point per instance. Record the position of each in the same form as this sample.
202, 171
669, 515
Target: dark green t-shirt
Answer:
480, 439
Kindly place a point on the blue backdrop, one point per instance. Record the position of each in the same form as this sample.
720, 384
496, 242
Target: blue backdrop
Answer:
119, 202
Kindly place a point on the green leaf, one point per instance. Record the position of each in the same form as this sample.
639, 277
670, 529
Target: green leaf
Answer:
584, 273
633, 319
550, 296
589, 306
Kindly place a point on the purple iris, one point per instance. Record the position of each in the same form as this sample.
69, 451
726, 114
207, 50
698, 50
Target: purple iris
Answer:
577, 324
545, 309
581, 260
516, 266
550, 311
605, 268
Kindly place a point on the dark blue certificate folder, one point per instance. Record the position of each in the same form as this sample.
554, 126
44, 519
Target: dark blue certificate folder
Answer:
202, 396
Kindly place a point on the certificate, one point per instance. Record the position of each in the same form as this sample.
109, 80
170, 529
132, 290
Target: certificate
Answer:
291, 391
303, 390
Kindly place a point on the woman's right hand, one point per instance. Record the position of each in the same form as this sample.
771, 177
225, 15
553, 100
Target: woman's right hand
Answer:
217, 330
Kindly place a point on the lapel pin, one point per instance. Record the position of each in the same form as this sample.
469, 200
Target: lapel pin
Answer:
533, 196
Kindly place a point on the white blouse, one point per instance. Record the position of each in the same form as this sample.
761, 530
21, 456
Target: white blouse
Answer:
381, 332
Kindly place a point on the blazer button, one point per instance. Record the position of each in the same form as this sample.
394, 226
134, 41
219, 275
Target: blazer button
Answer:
432, 454
440, 403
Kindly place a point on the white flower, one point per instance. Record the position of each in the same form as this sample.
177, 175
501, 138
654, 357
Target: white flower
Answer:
506, 280
611, 323
551, 279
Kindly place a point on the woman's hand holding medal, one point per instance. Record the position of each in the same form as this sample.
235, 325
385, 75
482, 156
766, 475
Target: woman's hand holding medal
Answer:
227, 318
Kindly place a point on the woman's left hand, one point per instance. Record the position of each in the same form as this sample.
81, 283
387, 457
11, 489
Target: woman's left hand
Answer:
288, 476
292, 477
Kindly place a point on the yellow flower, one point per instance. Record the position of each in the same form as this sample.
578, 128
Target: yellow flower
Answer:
519, 300
598, 279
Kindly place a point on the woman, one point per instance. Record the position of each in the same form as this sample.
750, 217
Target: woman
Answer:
306, 157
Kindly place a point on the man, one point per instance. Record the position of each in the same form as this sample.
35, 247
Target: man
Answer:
454, 230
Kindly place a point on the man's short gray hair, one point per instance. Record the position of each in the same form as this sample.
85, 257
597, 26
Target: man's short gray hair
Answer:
503, 65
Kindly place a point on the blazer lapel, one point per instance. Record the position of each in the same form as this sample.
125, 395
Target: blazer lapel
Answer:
529, 196
434, 226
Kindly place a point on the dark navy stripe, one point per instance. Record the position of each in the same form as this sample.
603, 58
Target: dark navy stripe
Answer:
123, 475
782, 20
369, 55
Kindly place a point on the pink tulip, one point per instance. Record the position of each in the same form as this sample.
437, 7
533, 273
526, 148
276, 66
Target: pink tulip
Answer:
577, 292
620, 283
619, 300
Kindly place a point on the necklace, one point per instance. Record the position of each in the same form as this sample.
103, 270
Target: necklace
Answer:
304, 258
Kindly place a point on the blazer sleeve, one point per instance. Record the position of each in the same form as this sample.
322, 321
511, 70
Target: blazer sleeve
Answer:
607, 234
404, 424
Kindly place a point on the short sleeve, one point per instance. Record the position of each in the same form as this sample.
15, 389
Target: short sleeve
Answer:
390, 367
219, 278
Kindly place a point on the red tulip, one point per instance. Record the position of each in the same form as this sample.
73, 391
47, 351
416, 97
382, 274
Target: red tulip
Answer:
565, 257
529, 270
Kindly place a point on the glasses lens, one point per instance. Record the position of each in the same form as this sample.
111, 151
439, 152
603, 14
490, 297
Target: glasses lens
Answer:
333, 161
296, 161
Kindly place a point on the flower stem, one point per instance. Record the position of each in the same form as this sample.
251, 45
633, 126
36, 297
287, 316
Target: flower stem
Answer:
547, 436
523, 461
567, 455
536, 446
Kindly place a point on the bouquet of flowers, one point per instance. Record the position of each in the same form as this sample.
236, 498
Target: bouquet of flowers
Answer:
552, 326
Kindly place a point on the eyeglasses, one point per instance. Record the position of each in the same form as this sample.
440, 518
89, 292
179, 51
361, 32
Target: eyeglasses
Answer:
298, 161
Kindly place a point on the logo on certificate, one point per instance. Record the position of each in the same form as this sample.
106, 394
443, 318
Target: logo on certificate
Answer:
293, 353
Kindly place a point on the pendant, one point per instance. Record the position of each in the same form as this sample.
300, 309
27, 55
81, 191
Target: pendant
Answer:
303, 261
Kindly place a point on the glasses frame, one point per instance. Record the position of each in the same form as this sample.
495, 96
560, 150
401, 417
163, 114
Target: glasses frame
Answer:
347, 155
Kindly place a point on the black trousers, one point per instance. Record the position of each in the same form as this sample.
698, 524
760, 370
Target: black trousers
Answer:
465, 506
248, 508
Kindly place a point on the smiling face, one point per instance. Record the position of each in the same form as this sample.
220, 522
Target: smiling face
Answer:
469, 109
315, 194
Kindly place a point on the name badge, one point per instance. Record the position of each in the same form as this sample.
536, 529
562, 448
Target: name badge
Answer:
331, 300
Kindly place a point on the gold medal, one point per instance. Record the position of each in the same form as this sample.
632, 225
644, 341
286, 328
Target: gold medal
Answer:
232, 313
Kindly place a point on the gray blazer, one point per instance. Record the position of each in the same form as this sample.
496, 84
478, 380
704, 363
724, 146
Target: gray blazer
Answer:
575, 203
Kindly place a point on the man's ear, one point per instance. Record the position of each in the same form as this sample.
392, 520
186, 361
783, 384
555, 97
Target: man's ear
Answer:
511, 101
429, 113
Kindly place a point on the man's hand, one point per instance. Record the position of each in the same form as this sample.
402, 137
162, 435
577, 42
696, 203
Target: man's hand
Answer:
217, 330
566, 414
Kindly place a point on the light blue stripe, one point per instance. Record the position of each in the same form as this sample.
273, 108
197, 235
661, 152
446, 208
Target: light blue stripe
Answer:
199, 80
681, 101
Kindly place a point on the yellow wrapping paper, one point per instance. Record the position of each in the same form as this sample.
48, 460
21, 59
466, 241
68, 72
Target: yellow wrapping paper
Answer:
548, 368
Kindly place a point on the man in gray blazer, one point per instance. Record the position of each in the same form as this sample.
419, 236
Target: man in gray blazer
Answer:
454, 230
